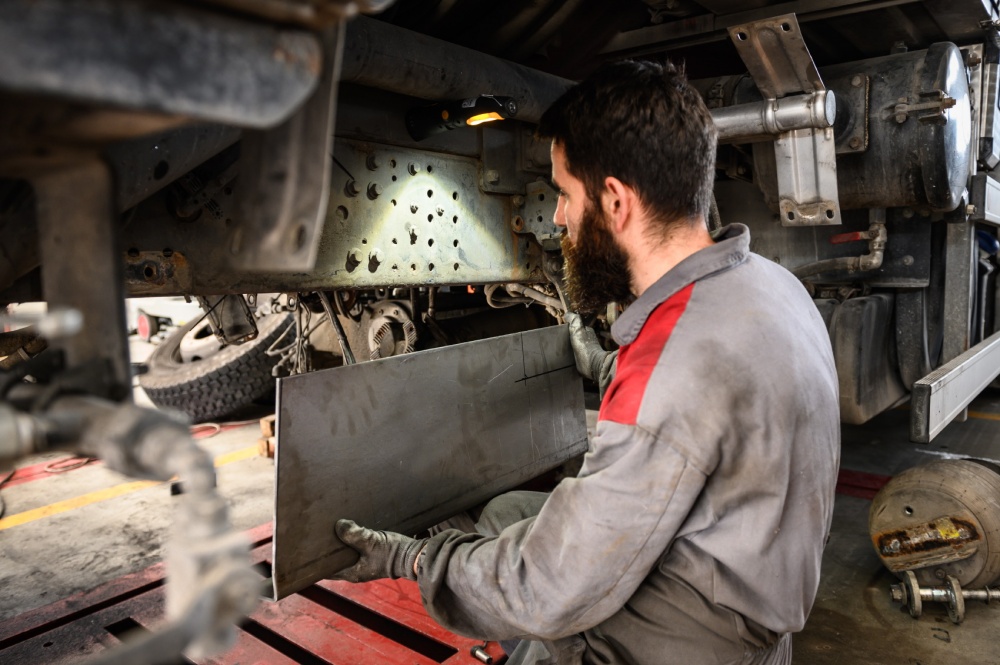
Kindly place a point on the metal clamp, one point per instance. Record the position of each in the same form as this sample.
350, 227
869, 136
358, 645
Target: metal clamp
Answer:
780, 64
938, 104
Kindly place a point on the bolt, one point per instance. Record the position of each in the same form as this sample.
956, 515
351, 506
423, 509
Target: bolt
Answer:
518, 201
492, 176
480, 654
973, 59
907, 260
352, 188
355, 255
970, 210
413, 168
374, 190
373, 162
856, 80
908, 213
855, 143
741, 170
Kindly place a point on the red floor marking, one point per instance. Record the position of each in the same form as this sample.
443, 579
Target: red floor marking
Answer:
36, 472
323, 624
860, 484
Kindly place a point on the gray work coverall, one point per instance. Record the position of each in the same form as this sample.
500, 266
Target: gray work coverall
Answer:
695, 529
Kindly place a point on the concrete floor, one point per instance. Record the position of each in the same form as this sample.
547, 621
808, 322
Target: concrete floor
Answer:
65, 533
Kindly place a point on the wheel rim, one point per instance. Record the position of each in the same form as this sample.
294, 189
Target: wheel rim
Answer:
198, 343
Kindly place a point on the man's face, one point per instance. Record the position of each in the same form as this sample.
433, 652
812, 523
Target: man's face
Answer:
596, 267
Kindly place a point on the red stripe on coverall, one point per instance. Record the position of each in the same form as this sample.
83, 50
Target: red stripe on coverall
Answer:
636, 361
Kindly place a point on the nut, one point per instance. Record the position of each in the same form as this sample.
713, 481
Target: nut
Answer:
374, 190
857, 80
855, 142
492, 176
352, 188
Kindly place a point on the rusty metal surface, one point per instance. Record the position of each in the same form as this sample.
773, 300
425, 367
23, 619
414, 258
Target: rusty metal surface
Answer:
405, 442
943, 540
78, 246
940, 519
284, 179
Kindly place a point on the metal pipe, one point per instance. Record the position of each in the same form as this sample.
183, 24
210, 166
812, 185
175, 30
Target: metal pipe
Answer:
383, 56
535, 295
877, 237
762, 121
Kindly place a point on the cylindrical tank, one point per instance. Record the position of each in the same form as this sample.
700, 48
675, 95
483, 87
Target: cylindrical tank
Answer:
915, 157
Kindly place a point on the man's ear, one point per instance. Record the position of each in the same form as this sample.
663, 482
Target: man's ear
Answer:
619, 202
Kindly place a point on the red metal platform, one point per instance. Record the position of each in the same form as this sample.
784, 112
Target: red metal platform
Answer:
334, 623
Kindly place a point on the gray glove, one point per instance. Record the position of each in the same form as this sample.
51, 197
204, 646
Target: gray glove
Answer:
592, 361
383, 553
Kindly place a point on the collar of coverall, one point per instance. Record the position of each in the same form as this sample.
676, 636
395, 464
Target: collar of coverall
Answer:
731, 248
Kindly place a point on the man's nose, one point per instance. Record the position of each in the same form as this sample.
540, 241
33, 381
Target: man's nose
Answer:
559, 217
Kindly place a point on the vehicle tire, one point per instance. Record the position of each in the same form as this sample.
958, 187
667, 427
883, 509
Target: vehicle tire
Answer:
225, 380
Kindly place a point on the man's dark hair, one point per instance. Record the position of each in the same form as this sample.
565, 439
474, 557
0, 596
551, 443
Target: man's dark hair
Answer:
642, 123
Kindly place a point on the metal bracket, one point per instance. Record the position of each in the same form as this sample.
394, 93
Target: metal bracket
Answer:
780, 64
285, 179
938, 104
539, 210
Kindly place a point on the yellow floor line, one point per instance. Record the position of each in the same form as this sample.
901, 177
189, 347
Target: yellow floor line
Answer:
107, 493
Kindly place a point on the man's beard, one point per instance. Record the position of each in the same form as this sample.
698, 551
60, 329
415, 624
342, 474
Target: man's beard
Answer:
596, 268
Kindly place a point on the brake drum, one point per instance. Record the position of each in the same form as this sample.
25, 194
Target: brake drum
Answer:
938, 520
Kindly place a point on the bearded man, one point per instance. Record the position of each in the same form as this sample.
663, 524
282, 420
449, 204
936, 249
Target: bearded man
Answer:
695, 529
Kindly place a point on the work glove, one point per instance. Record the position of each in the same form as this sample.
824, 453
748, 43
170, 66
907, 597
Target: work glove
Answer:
383, 553
592, 361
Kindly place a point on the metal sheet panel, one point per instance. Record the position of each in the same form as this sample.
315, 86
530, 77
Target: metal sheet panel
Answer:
405, 442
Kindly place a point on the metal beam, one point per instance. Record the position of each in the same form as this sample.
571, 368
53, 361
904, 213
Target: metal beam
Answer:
396, 217
708, 28
405, 442
943, 395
